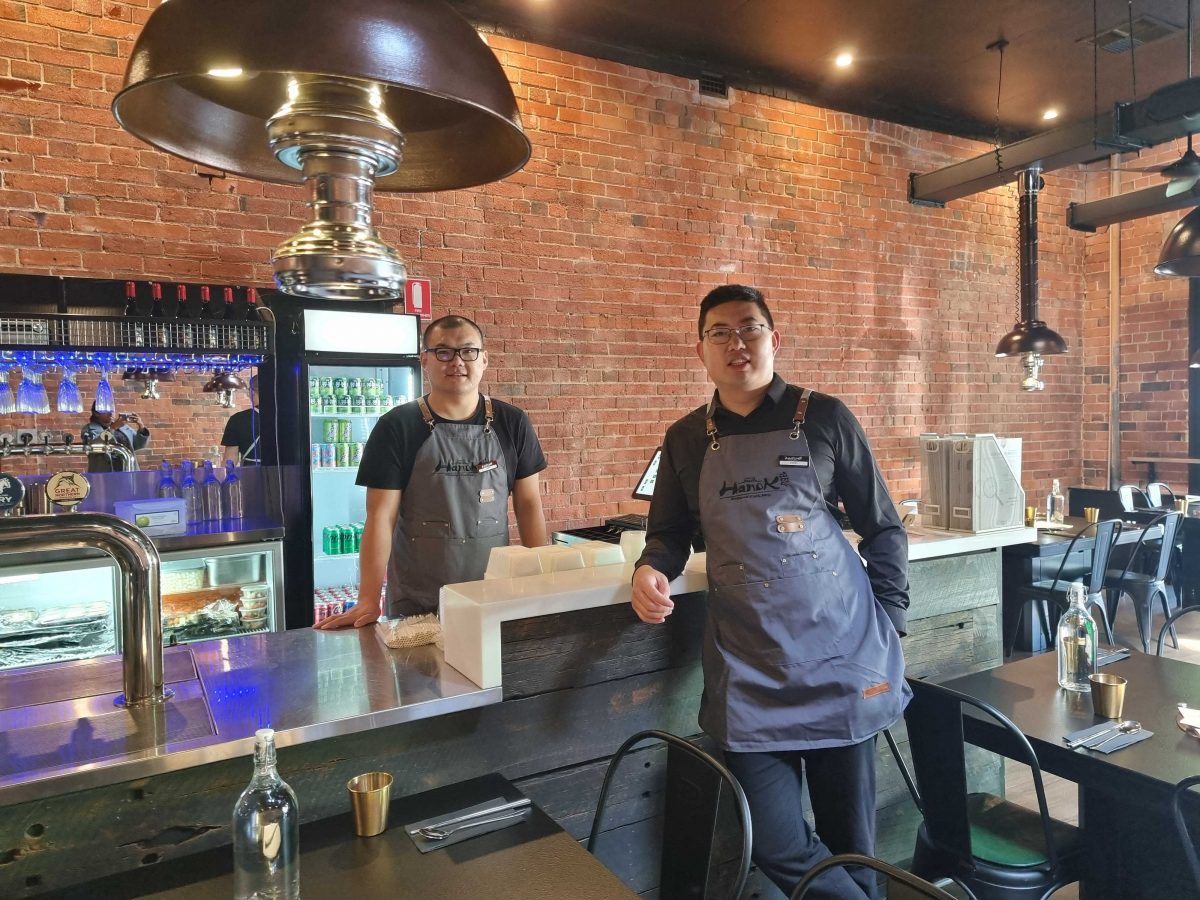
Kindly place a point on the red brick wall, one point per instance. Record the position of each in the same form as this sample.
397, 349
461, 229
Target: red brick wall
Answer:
586, 267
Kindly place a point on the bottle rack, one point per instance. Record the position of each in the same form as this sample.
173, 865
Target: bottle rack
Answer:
138, 341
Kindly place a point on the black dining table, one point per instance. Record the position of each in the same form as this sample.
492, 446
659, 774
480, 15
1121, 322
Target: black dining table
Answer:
532, 860
1124, 797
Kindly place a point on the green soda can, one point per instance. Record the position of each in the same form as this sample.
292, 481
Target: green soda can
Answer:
331, 540
348, 545
358, 533
345, 430
354, 387
330, 430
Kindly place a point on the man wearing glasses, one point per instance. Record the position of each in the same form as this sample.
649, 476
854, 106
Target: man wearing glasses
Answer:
802, 660
439, 472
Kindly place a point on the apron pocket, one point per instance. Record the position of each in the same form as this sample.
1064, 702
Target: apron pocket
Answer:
782, 622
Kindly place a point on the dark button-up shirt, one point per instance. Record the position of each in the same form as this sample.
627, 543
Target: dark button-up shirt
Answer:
841, 459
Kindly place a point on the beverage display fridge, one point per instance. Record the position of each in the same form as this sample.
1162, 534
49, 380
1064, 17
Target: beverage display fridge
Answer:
336, 371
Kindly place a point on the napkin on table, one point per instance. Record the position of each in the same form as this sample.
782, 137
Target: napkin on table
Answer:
1111, 742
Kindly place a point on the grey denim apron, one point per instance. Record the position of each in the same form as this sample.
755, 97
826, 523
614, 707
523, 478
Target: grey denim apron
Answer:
453, 512
798, 654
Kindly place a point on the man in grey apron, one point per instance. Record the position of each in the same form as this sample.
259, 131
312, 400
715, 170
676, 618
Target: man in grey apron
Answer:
802, 660
439, 472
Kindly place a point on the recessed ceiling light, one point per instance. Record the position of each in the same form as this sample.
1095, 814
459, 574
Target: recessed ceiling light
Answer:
1050, 114
843, 60
232, 72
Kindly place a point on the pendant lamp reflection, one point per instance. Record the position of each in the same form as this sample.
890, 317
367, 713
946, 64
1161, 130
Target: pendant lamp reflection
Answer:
1181, 251
345, 97
1031, 338
223, 384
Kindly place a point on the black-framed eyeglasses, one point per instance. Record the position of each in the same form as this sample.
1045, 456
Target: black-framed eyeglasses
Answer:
445, 354
720, 334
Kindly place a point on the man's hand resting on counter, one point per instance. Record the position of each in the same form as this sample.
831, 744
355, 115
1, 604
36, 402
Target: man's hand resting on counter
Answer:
357, 616
651, 595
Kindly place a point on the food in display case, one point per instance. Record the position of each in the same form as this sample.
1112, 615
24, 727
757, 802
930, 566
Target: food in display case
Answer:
55, 633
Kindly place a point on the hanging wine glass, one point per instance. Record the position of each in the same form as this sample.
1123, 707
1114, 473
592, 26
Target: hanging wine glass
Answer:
8, 402
41, 400
104, 395
26, 392
69, 400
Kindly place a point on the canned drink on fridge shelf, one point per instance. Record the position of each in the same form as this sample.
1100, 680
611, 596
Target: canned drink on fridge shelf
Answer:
356, 452
339, 384
354, 386
358, 527
349, 605
328, 455
345, 430
370, 387
326, 384
316, 456
342, 403
329, 430
388, 402
331, 540
314, 385
318, 612
370, 405
357, 404
348, 539
328, 404
343, 455
314, 403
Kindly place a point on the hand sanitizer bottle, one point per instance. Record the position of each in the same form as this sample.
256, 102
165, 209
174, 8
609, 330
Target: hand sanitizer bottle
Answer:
266, 831
1076, 642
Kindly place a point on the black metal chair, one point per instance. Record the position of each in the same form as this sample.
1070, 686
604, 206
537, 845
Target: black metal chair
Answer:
1145, 586
1054, 591
993, 849
1130, 495
1181, 827
1169, 626
1160, 495
915, 887
694, 788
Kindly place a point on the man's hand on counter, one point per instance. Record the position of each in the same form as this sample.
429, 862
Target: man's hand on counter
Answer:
358, 616
651, 595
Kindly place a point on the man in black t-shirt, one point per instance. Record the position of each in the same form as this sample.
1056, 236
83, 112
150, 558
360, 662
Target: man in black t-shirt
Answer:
241, 439
439, 472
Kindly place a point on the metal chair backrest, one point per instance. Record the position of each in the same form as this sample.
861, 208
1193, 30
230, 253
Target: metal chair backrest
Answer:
1155, 491
1170, 623
1185, 836
1169, 522
685, 869
917, 887
1106, 532
1130, 494
935, 736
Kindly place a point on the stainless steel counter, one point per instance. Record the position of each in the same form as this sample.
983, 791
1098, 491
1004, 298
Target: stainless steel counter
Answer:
199, 537
59, 730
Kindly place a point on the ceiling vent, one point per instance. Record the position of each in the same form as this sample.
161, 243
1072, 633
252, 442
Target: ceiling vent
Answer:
713, 85
1142, 30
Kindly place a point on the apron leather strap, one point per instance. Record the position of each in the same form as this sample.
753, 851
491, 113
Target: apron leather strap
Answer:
426, 412
801, 412
710, 424
488, 415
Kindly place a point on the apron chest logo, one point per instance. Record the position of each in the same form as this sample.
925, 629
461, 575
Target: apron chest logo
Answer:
753, 486
454, 467
795, 462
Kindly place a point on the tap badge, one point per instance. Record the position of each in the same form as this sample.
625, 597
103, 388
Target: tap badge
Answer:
753, 486
12, 491
68, 489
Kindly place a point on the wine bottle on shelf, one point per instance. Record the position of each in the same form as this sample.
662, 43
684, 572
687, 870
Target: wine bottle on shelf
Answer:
209, 332
252, 311
229, 316
138, 334
187, 334
266, 830
158, 332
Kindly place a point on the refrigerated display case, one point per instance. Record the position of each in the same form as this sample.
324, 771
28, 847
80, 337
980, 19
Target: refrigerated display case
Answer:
56, 607
336, 372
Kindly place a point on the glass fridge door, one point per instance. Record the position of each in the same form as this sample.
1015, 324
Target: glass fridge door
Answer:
57, 611
345, 403
222, 592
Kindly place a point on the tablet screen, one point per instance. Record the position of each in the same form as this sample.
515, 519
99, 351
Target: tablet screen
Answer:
645, 485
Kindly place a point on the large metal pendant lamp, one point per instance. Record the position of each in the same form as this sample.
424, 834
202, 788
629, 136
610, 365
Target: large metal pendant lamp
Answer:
1031, 338
1180, 253
346, 97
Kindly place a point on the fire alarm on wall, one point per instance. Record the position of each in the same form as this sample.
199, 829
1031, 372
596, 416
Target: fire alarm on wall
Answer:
417, 296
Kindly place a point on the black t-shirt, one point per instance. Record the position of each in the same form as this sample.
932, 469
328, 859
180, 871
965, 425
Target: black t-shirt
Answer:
387, 460
244, 431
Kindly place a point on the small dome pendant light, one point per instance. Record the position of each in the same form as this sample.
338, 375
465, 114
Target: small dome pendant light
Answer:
1031, 338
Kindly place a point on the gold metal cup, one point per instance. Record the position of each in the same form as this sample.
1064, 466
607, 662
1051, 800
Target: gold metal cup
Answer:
370, 796
1181, 504
1091, 514
1108, 695
1030, 516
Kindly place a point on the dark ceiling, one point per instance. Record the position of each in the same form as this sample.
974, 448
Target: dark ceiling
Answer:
918, 62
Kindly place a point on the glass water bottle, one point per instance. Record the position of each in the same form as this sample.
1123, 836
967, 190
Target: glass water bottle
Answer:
266, 831
232, 488
1056, 503
1076, 642
211, 501
189, 490
166, 481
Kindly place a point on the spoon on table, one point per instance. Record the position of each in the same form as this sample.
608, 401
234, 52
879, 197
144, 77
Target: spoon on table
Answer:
1104, 733
1130, 727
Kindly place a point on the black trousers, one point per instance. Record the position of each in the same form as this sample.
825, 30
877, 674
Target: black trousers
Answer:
841, 788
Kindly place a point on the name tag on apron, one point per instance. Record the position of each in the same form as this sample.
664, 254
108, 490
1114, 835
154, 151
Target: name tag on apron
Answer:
795, 462
487, 495
875, 690
486, 466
